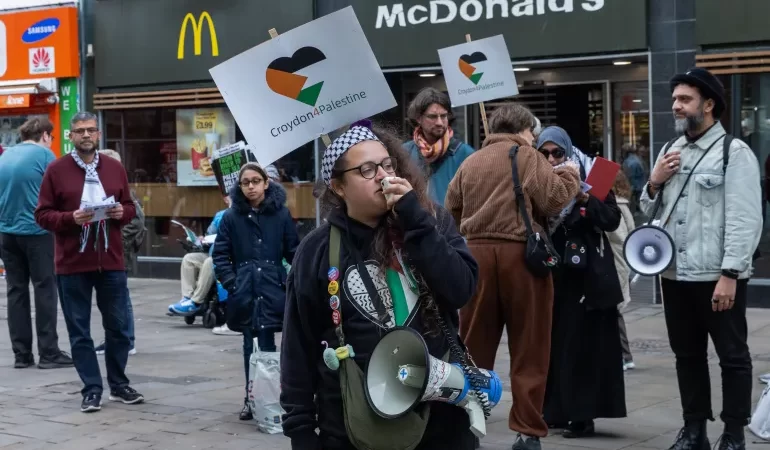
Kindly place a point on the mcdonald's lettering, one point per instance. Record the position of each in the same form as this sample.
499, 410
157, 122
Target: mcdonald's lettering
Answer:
197, 27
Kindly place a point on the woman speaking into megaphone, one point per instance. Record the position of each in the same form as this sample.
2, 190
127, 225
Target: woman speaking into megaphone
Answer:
386, 256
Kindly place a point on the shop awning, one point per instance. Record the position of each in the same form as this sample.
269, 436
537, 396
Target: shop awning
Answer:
735, 62
26, 87
156, 99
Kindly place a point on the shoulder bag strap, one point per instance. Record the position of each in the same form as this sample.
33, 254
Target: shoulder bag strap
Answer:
726, 152
334, 247
686, 180
517, 189
379, 306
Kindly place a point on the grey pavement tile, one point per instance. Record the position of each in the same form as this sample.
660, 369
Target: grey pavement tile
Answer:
96, 441
129, 445
40, 429
10, 439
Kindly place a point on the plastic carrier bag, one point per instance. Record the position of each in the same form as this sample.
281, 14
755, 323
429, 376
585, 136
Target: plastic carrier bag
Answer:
265, 390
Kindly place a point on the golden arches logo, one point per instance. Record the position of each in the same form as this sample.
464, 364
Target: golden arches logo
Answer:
197, 27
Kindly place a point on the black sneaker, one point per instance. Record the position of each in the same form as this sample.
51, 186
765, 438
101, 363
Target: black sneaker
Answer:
56, 361
23, 361
91, 403
126, 395
246, 411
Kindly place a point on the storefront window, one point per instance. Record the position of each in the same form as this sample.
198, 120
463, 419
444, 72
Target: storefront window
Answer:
631, 139
9, 128
166, 153
755, 131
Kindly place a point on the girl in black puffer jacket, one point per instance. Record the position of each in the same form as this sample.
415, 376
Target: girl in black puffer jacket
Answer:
255, 234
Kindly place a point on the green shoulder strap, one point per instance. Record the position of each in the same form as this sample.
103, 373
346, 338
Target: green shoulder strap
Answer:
334, 247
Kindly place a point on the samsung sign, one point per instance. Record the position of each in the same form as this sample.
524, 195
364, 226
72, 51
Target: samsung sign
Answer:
408, 33
40, 30
446, 11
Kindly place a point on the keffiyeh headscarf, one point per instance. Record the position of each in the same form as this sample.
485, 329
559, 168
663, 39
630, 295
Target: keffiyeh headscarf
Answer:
358, 132
93, 192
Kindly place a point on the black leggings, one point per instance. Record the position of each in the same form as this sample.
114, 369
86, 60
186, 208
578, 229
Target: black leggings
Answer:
266, 341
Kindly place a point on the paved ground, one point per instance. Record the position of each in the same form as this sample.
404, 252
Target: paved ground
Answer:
193, 380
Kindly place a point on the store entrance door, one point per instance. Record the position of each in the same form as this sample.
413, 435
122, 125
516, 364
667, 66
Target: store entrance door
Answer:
582, 109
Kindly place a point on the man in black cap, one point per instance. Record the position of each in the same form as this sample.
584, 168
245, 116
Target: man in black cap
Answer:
711, 204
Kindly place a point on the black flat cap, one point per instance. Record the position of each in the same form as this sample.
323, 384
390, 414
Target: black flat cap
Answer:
709, 86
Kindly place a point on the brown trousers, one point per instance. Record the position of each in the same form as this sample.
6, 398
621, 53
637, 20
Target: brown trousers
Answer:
508, 295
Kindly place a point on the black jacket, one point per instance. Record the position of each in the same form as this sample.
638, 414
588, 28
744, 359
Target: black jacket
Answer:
247, 258
310, 392
598, 282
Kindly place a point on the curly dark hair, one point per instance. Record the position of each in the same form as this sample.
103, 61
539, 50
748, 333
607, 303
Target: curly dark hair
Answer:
389, 231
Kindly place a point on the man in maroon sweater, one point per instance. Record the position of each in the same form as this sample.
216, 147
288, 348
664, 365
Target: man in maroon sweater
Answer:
89, 256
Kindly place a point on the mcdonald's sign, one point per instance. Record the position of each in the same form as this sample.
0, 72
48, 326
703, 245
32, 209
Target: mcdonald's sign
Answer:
197, 28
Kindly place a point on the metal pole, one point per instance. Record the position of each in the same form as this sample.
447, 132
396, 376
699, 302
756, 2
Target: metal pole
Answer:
317, 164
83, 56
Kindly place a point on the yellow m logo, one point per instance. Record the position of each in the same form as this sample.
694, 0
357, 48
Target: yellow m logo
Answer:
197, 28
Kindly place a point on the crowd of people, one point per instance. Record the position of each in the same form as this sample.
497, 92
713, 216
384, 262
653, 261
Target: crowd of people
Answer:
455, 243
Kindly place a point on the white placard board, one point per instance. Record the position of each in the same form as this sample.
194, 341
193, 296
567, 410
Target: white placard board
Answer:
478, 71
304, 83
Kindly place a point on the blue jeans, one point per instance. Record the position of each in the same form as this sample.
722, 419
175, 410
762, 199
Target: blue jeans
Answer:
266, 341
75, 295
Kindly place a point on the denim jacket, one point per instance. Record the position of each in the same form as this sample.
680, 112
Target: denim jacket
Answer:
717, 222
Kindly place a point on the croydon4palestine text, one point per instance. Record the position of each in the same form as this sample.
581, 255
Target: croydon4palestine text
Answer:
317, 111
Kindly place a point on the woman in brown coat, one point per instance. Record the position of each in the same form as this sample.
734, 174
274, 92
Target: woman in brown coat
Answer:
482, 201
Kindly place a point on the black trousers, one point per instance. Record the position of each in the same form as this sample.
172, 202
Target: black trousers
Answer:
448, 429
690, 321
31, 258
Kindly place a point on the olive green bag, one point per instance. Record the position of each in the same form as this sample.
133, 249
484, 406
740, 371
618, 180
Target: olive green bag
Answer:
366, 430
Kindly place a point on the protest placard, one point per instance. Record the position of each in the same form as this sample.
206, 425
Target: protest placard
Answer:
478, 71
227, 162
303, 83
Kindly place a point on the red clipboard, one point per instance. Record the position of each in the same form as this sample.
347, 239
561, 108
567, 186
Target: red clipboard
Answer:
602, 177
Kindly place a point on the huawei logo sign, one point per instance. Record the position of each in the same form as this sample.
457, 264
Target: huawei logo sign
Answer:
42, 60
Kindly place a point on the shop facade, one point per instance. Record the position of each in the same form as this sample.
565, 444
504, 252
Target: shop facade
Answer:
734, 43
160, 109
39, 71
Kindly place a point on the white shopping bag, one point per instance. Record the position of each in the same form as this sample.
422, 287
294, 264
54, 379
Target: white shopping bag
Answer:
265, 389
760, 420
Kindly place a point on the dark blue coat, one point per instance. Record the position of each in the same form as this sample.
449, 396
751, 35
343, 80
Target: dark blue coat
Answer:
247, 259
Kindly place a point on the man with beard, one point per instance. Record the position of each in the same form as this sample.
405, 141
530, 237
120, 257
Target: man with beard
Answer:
434, 146
89, 256
711, 207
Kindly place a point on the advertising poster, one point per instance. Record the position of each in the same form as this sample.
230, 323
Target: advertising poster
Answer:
227, 162
199, 133
478, 71
302, 84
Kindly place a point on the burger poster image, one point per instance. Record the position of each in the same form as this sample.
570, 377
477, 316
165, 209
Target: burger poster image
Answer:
200, 132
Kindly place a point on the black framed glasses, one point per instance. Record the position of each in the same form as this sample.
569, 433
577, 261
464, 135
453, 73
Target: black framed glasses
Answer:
368, 169
556, 153
254, 181
82, 131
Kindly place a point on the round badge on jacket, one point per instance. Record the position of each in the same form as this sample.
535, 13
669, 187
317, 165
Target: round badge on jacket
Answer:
334, 302
576, 259
334, 274
334, 287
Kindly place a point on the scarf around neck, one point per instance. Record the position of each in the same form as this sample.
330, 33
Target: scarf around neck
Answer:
93, 192
432, 153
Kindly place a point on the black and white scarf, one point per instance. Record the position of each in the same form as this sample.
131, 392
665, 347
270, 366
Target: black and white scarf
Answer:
93, 192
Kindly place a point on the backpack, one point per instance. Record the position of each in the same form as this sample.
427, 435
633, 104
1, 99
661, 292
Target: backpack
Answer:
725, 160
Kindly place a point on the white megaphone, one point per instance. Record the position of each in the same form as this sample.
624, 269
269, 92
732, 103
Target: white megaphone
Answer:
649, 249
401, 373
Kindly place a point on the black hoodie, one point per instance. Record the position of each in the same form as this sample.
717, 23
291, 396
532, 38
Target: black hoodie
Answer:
432, 245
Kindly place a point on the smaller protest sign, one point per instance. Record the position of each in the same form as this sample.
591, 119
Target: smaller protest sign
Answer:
226, 162
478, 71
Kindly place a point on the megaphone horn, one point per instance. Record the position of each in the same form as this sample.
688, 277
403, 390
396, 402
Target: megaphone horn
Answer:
401, 373
648, 250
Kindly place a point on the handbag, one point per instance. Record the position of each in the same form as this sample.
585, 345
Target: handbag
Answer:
540, 256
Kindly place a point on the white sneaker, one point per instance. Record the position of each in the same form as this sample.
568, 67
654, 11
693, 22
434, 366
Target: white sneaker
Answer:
628, 365
225, 331
764, 378
132, 351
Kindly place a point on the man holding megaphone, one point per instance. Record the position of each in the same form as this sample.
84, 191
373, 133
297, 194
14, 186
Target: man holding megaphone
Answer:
707, 185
